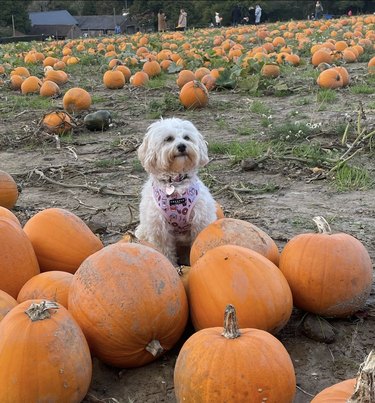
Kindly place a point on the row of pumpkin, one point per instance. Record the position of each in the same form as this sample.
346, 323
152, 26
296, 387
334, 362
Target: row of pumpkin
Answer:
126, 304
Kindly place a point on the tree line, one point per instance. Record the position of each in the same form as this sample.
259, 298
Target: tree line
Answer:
200, 12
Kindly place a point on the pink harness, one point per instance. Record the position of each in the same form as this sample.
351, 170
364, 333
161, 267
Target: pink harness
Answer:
177, 207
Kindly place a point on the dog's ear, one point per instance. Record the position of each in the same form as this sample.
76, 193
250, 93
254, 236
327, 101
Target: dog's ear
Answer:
146, 155
203, 151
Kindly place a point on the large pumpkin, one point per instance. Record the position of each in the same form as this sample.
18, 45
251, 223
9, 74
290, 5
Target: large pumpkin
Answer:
8, 190
233, 274
52, 285
5, 213
232, 365
61, 240
18, 262
44, 356
329, 274
7, 302
356, 390
130, 303
234, 232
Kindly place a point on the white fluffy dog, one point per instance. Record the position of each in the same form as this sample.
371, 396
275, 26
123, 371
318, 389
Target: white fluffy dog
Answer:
175, 204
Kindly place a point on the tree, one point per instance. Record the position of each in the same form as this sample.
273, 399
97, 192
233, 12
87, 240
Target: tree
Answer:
17, 9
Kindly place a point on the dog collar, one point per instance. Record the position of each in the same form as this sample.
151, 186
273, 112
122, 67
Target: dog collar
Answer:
177, 207
170, 188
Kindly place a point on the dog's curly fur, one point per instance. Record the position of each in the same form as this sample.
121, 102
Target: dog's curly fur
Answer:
172, 152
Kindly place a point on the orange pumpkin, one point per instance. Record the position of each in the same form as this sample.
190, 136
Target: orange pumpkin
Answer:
184, 77
113, 79
253, 283
136, 295
322, 56
344, 74
43, 355
18, 262
139, 79
16, 82
125, 71
51, 285
360, 389
7, 302
371, 66
57, 76
329, 274
20, 71
49, 89
8, 190
5, 213
194, 95
235, 232
270, 70
31, 85
251, 371
330, 78
57, 122
76, 100
61, 240
152, 68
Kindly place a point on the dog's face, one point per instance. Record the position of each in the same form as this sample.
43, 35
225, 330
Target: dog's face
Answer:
172, 146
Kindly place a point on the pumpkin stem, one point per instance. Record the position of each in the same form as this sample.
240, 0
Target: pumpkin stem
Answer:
40, 311
322, 224
231, 330
154, 348
364, 390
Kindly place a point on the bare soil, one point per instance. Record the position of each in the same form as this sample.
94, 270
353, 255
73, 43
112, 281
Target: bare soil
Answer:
98, 177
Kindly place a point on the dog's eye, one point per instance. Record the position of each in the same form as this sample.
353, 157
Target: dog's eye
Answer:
169, 139
187, 138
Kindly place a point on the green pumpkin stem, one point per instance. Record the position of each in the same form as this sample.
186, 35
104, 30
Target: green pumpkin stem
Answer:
364, 390
40, 311
322, 224
231, 330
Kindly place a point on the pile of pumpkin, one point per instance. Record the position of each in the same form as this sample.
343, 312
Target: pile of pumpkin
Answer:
64, 296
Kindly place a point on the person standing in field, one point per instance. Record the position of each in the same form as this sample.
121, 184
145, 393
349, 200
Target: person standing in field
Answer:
218, 20
162, 25
182, 20
318, 10
258, 14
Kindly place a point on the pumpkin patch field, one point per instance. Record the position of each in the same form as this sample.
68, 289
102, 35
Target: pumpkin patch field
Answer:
288, 113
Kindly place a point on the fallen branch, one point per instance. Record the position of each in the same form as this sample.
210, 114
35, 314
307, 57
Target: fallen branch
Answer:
101, 190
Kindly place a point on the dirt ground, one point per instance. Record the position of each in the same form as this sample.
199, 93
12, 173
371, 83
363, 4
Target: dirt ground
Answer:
97, 176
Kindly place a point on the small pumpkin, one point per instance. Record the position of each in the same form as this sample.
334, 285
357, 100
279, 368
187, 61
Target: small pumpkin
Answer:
76, 100
8, 190
61, 240
184, 77
330, 78
99, 120
57, 122
139, 79
251, 372
52, 285
57, 76
152, 68
194, 95
329, 274
49, 89
136, 295
234, 273
43, 355
113, 79
31, 85
270, 70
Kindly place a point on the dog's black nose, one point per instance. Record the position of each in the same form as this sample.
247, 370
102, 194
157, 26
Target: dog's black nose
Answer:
181, 148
